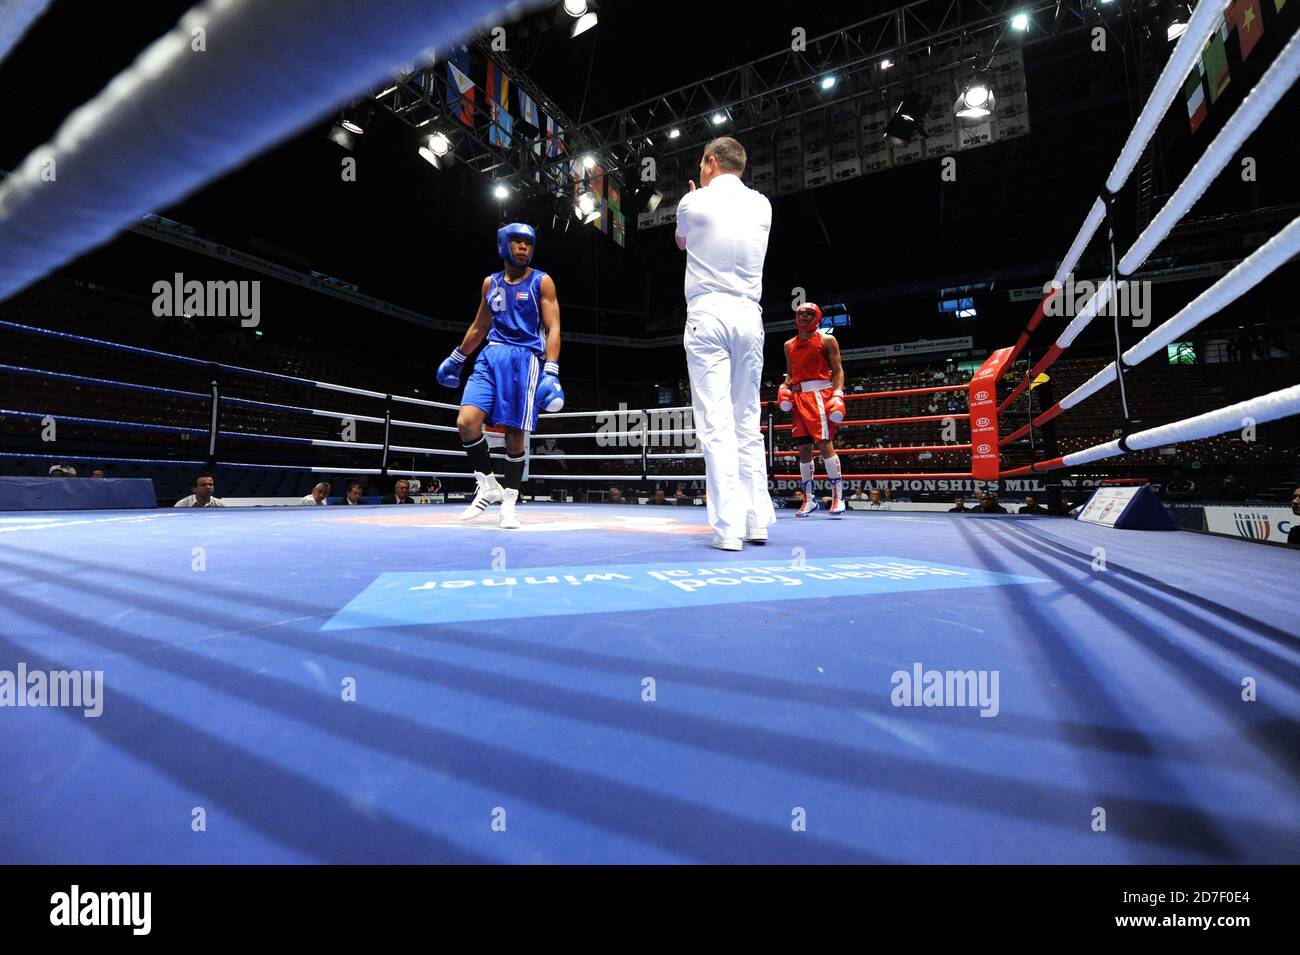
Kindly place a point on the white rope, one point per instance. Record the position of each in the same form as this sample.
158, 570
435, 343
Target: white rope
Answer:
1090, 224
15, 17
427, 404
616, 411
1270, 407
178, 117
1248, 273
1276, 81
420, 424
1186, 52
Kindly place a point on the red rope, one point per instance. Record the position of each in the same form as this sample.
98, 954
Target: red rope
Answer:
872, 477
911, 450
865, 421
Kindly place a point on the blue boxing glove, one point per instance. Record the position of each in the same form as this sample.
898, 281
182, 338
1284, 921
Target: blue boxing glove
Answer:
550, 396
449, 371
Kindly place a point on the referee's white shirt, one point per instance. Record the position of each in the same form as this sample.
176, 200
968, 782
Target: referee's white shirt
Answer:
727, 224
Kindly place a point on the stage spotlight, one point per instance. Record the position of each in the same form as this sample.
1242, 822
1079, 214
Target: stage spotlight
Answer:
1176, 16
585, 205
584, 13
1020, 22
644, 198
501, 192
341, 136
886, 64
905, 123
828, 83
588, 162
718, 118
434, 150
976, 100
357, 116
674, 133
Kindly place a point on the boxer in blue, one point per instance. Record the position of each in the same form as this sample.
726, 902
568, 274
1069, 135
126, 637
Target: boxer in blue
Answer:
519, 315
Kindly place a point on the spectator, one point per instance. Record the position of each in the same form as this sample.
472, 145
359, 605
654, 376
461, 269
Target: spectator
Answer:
990, 504
1031, 506
97, 473
679, 496
660, 497
858, 495
796, 501
1062, 508
62, 470
615, 496
401, 493
204, 487
1293, 535
353, 496
318, 494
874, 502
433, 487
959, 505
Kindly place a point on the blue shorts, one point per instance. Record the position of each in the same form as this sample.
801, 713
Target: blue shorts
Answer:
504, 384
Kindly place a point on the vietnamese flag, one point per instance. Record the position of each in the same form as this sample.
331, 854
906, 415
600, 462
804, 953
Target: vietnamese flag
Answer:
1245, 16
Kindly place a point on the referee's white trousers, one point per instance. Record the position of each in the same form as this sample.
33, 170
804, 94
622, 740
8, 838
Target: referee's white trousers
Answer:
724, 355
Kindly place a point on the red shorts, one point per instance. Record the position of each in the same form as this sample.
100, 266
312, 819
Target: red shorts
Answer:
809, 415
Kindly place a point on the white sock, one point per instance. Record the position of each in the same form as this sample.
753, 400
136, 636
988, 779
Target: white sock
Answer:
805, 471
833, 467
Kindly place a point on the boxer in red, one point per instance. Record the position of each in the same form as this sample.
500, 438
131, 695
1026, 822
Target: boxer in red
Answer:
814, 391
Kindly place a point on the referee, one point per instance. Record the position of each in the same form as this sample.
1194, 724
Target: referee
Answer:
723, 226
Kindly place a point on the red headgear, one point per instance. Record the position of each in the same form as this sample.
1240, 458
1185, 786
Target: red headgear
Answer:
807, 316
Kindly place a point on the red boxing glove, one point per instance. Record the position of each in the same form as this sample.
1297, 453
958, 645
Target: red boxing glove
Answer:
785, 398
835, 407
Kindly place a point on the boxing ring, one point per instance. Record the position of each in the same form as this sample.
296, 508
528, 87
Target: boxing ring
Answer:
387, 684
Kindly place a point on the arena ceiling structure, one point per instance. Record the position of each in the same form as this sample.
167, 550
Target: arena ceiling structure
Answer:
863, 237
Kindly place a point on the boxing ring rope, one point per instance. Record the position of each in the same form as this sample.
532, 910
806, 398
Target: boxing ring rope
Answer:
1280, 249
771, 428
1246, 275
220, 399
1186, 52
16, 16
1260, 410
177, 118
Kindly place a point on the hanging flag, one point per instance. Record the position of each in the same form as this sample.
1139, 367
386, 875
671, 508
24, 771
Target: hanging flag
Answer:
1194, 93
1245, 16
460, 98
498, 92
1215, 59
528, 109
554, 139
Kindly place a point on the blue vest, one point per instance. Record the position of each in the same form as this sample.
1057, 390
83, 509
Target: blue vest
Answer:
517, 312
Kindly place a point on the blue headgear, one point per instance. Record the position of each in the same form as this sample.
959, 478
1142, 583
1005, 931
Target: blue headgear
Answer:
507, 232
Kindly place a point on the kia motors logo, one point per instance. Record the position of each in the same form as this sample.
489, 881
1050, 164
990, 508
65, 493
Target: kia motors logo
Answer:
981, 396
982, 423
983, 449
